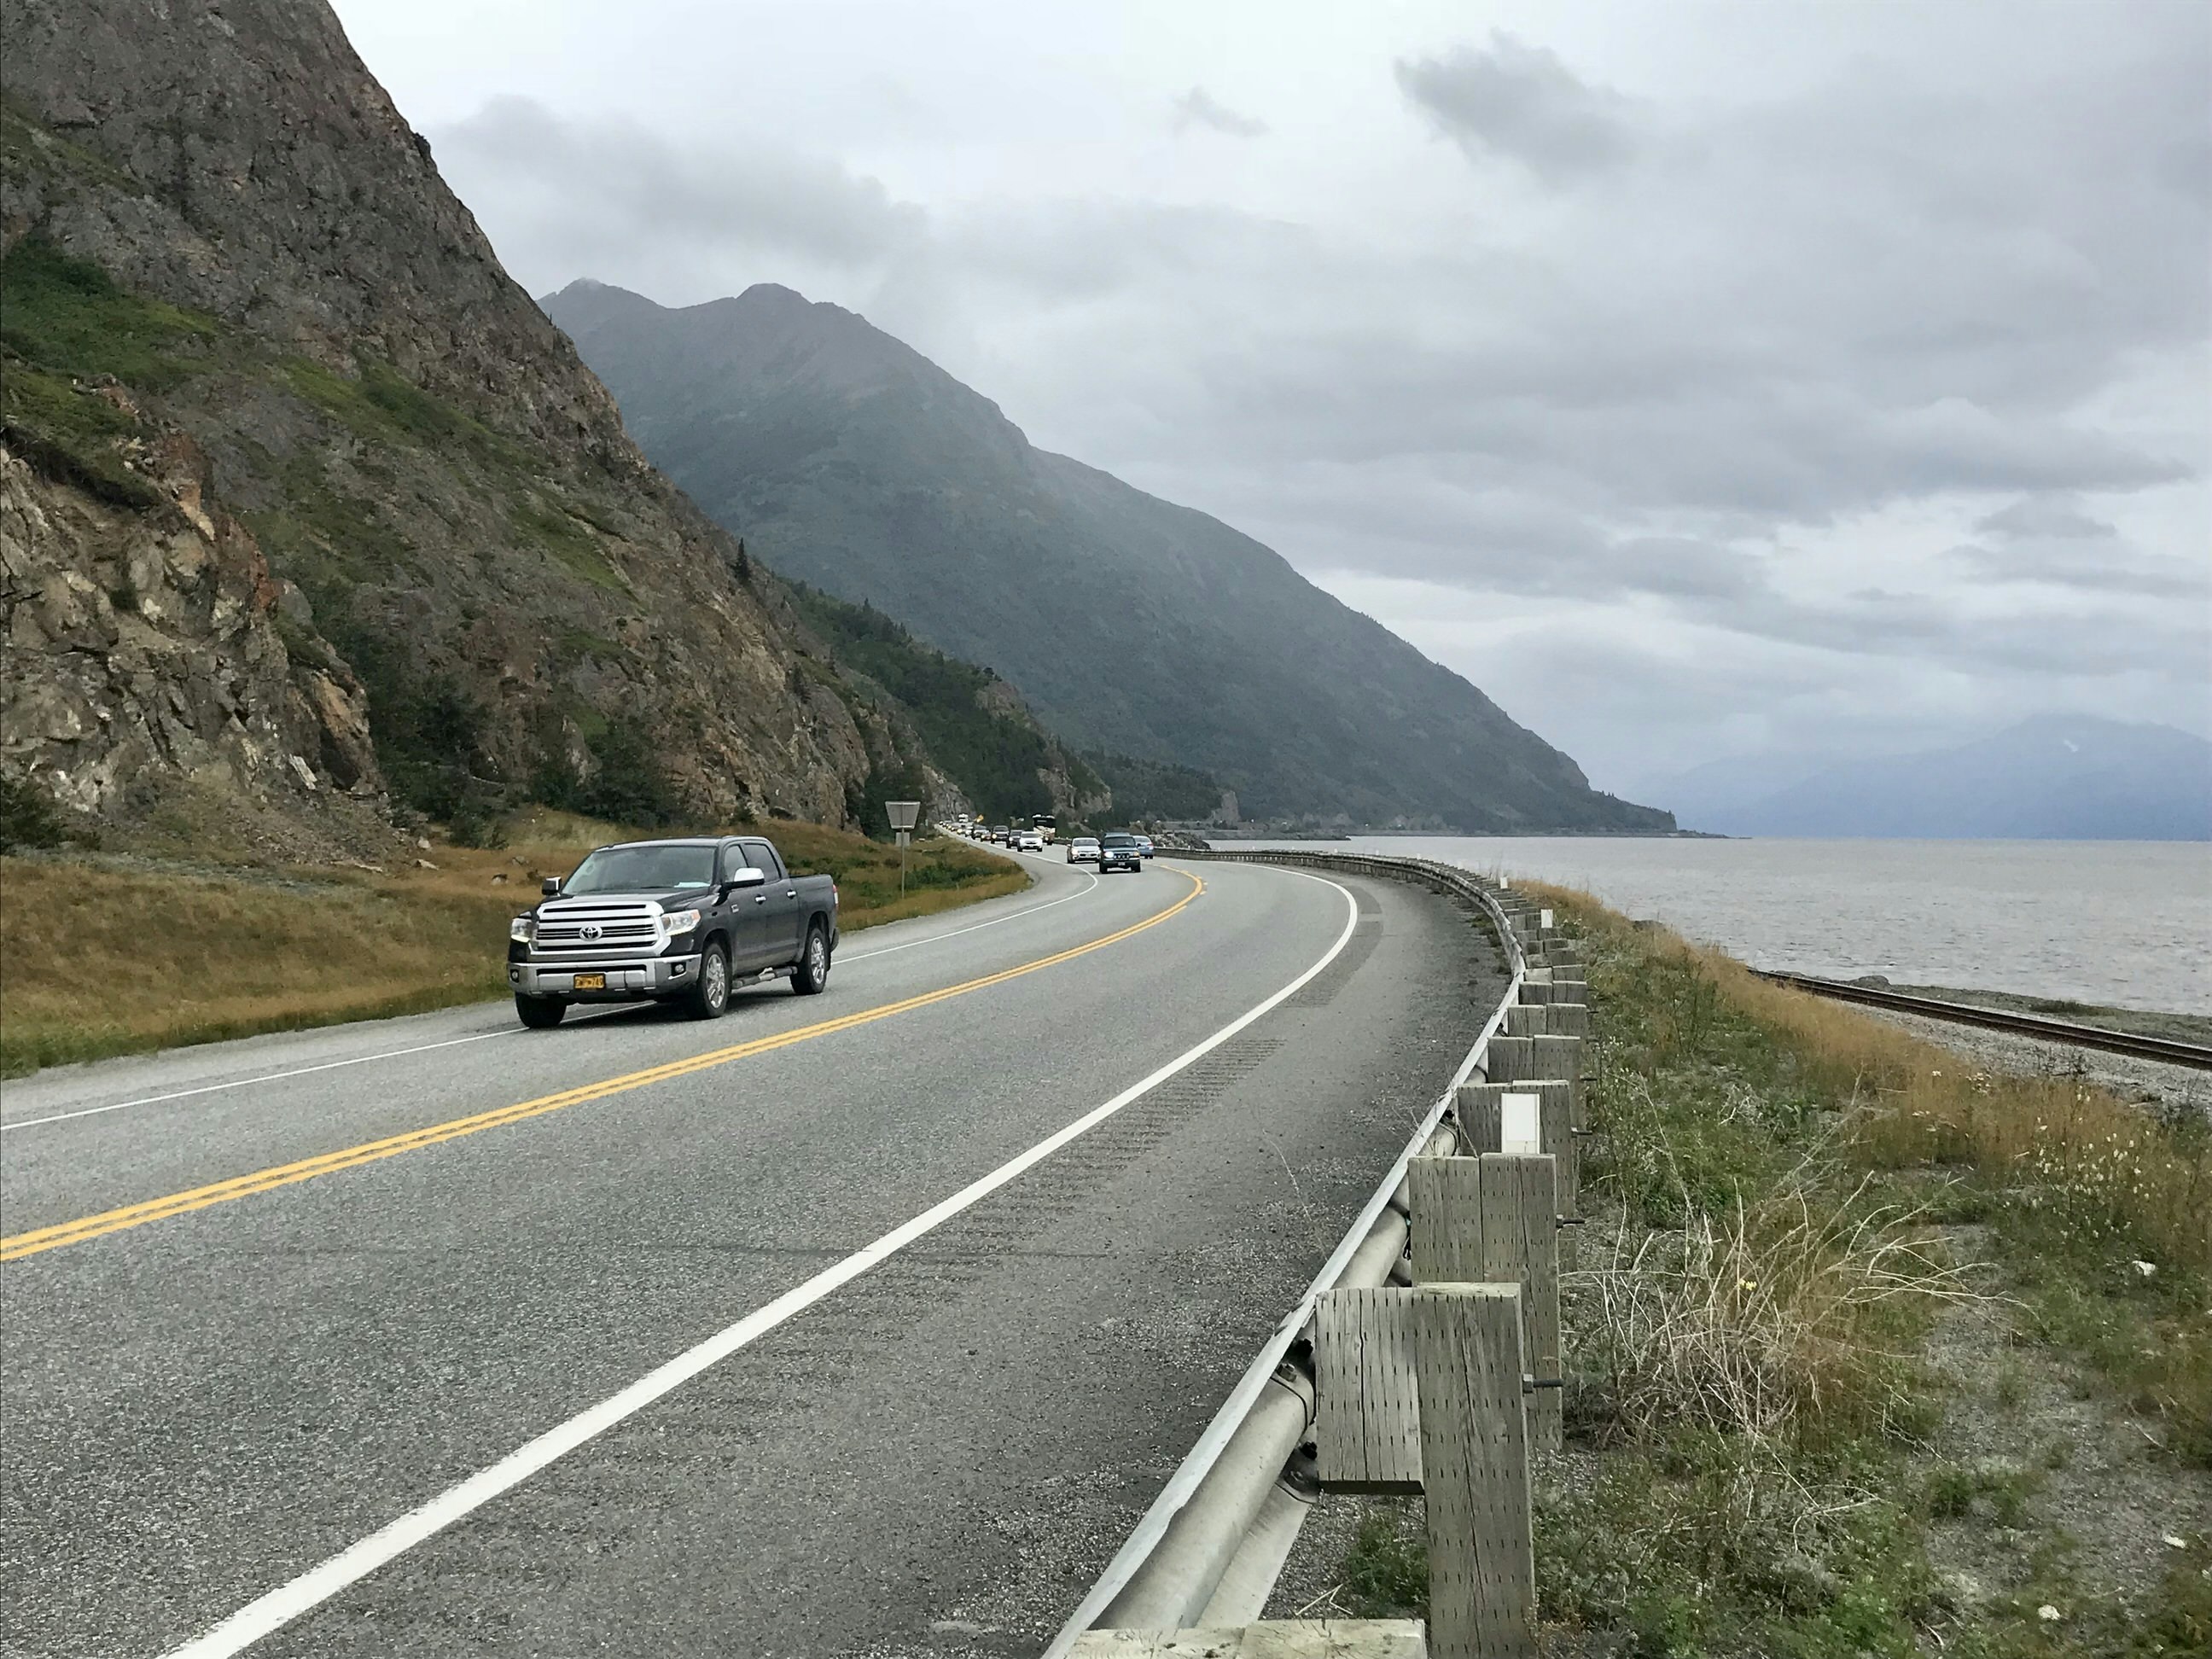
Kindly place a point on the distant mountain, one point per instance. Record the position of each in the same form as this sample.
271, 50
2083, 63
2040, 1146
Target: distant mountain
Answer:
1133, 626
2054, 778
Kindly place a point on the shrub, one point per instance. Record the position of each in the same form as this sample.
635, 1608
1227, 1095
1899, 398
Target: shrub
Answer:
27, 818
625, 785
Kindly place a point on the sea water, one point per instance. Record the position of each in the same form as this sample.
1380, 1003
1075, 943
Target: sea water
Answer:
2123, 923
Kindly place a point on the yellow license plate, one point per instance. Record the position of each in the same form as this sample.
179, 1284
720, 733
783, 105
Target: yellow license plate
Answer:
591, 981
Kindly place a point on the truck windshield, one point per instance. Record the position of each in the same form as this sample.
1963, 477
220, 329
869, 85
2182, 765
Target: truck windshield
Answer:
642, 870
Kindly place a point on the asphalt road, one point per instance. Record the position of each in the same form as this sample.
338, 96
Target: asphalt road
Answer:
412, 1393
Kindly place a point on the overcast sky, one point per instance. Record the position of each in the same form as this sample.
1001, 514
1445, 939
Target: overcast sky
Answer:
1700, 381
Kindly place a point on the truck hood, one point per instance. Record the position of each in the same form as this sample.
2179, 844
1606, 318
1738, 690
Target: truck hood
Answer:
675, 899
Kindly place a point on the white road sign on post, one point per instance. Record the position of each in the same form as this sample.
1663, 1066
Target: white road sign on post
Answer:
903, 815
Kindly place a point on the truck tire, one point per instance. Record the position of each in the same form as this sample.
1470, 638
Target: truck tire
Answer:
539, 1013
812, 977
710, 997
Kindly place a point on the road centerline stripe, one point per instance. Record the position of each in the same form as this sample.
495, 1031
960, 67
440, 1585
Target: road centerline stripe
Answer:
40, 1239
278, 1608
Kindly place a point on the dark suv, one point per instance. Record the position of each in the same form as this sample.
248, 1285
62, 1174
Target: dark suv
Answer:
679, 921
1118, 851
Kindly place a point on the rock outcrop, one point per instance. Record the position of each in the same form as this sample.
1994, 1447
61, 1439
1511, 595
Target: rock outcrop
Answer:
147, 657
219, 236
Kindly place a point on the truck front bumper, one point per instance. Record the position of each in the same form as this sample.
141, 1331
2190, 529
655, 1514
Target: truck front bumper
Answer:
657, 976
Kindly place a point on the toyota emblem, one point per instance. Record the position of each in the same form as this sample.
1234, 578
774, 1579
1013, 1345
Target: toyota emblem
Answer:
590, 930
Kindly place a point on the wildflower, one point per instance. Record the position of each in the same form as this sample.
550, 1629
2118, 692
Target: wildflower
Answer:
2049, 1614
1747, 1284
2144, 1269
2174, 1543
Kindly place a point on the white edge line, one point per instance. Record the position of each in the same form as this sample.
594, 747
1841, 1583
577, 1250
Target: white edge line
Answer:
1184, 1484
271, 1611
248, 1082
480, 1037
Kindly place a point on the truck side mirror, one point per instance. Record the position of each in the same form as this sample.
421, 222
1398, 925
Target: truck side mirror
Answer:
751, 876
550, 886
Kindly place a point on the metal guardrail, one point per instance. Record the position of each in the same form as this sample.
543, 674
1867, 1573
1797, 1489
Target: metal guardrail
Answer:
2169, 1049
1209, 1548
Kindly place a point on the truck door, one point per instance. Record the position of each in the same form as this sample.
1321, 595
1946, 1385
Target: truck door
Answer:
747, 909
780, 915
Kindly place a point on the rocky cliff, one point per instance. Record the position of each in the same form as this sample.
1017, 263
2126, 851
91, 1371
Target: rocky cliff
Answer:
147, 667
233, 274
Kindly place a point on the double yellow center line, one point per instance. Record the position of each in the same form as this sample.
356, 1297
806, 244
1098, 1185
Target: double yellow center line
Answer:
19, 1245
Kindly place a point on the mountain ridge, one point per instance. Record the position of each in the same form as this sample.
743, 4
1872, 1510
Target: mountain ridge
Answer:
851, 461
2063, 777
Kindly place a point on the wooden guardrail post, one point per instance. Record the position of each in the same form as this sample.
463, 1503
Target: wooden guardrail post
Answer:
1548, 1017
1495, 1218
1480, 1110
1475, 1469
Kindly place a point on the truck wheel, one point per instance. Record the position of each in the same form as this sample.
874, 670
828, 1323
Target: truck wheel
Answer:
811, 976
539, 1013
710, 991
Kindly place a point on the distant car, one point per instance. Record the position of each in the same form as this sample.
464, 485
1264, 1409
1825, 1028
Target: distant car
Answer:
999, 833
1118, 851
1083, 849
1145, 845
1029, 842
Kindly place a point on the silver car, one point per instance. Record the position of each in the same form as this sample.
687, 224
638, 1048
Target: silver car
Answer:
1083, 849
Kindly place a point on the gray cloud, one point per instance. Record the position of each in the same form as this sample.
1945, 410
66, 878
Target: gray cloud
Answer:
2067, 562
1878, 379
1521, 102
589, 190
2050, 516
2048, 540
1199, 108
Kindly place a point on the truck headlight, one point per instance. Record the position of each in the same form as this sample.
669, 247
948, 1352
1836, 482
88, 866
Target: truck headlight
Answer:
523, 929
679, 921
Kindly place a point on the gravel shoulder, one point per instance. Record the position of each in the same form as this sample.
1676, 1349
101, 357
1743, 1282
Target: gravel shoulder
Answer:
2136, 1022
2178, 1091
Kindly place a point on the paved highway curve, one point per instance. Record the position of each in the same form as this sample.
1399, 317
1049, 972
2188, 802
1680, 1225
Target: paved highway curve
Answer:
865, 1323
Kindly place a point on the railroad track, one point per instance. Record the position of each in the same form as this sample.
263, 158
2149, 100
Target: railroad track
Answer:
2032, 1025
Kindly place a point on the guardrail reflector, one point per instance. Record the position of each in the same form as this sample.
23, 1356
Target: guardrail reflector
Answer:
1519, 1125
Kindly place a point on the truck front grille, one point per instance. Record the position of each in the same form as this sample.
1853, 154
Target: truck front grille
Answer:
589, 927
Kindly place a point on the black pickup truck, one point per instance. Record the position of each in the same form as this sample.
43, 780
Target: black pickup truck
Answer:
676, 922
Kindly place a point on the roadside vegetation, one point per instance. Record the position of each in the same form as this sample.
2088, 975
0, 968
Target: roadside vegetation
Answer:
1871, 1351
108, 956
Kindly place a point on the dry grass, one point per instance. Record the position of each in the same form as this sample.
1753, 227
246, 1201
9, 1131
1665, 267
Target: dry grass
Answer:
2099, 1211
2110, 1168
1773, 1314
2104, 1165
1753, 1403
99, 957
